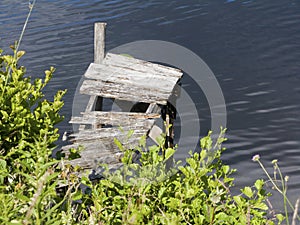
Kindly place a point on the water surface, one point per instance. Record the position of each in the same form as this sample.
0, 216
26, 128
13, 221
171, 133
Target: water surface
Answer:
253, 48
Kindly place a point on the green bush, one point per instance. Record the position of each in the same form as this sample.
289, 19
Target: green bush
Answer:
199, 193
139, 193
28, 175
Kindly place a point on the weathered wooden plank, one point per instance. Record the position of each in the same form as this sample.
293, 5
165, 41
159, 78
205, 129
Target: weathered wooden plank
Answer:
104, 144
112, 118
141, 65
86, 161
109, 132
95, 148
154, 133
121, 115
100, 148
123, 92
131, 76
99, 42
103, 121
88, 146
89, 108
93, 163
99, 53
153, 108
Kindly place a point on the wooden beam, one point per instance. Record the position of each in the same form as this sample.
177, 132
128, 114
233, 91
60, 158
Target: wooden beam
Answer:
99, 54
124, 92
141, 65
155, 131
99, 42
113, 118
88, 108
153, 108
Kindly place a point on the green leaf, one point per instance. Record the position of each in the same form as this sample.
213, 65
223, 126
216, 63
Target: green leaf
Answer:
4, 114
259, 184
130, 133
260, 205
161, 192
248, 192
15, 222
206, 142
77, 195
221, 216
2, 164
20, 54
203, 155
119, 144
169, 152
238, 200
226, 169
280, 217
107, 183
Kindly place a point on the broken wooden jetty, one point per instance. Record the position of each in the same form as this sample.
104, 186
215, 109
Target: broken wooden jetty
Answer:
124, 78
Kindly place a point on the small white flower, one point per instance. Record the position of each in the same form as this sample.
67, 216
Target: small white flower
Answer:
274, 161
64, 137
255, 158
286, 178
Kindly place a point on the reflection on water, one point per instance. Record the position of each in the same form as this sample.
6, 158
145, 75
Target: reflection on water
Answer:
251, 46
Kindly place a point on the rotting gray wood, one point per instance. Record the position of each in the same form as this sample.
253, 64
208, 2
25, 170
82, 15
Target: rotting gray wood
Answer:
129, 136
125, 78
104, 140
112, 118
89, 108
123, 92
93, 147
99, 54
138, 128
88, 164
155, 131
141, 65
132, 76
99, 42
99, 146
153, 108
92, 163
130, 79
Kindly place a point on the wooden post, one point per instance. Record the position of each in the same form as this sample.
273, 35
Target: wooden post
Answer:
99, 42
171, 114
170, 117
168, 113
88, 108
99, 53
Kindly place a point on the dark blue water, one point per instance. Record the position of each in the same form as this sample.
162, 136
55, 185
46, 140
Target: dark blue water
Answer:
253, 48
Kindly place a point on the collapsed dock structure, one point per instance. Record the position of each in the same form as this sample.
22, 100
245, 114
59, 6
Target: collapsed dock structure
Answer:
123, 78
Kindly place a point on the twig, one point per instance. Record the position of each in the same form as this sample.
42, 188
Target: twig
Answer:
248, 216
272, 211
36, 195
31, 6
222, 183
295, 212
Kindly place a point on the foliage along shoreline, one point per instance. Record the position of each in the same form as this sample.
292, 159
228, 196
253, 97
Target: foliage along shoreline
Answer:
144, 193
